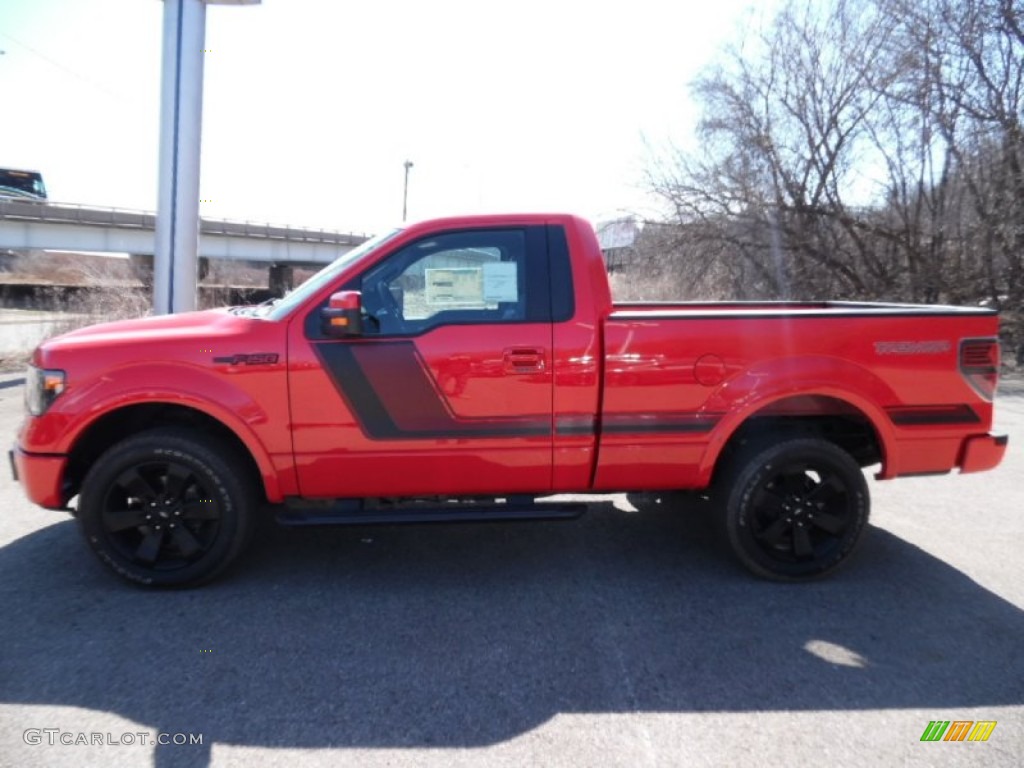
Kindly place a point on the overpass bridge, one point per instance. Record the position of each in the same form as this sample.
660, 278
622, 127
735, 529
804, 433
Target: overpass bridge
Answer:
26, 224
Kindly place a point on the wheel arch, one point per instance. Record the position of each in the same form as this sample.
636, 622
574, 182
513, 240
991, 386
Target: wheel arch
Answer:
114, 425
849, 421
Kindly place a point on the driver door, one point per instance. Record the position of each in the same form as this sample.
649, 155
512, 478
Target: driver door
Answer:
448, 389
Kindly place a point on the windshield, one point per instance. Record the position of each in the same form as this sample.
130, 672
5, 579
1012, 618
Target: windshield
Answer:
280, 308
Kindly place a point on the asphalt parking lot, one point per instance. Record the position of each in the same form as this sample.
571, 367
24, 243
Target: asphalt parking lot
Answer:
620, 639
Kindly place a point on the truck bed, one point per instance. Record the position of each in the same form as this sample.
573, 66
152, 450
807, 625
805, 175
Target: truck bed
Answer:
678, 375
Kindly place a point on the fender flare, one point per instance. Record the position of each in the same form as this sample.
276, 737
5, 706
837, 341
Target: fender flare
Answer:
217, 409
741, 398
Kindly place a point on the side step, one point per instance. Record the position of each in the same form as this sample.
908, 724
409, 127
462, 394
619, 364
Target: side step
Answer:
357, 512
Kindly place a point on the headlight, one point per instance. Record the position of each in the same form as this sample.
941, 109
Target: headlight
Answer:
42, 386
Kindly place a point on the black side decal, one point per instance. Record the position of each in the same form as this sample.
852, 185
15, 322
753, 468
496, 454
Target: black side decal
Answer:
393, 396
640, 423
256, 358
933, 415
575, 425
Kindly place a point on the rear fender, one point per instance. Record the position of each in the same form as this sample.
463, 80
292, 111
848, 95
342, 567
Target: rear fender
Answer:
743, 396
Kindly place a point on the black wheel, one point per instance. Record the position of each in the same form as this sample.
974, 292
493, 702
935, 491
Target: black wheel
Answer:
163, 509
794, 510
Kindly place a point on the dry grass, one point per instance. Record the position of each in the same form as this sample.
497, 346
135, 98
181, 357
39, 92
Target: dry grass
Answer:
635, 286
80, 289
61, 268
235, 273
106, 291
103, 288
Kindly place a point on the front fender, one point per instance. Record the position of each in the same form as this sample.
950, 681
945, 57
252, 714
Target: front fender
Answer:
209, 392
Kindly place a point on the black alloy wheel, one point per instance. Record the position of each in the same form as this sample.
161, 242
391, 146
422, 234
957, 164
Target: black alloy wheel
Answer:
163, 509
795, 510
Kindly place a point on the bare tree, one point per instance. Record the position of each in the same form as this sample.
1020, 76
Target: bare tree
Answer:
961, 79
784, 120
860, 148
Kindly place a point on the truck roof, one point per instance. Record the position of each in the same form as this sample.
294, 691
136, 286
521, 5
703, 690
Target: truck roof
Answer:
496, 219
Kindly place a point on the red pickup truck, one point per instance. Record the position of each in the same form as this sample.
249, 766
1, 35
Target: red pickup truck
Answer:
466, 368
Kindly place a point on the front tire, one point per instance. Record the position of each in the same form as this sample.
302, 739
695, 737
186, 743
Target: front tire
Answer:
163, 509
795, 510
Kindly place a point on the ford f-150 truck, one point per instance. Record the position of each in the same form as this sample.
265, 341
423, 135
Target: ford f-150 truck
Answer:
466, 368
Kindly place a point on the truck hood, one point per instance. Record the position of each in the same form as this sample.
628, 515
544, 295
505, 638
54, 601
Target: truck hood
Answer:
160, 330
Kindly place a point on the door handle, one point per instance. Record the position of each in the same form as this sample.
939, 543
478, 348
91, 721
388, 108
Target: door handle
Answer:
523, 360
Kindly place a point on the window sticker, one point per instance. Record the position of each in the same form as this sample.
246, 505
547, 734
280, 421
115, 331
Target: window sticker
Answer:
500, 282
454, 287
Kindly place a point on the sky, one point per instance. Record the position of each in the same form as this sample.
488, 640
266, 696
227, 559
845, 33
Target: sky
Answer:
311, 107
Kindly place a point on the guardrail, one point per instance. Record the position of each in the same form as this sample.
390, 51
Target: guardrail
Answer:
126, 218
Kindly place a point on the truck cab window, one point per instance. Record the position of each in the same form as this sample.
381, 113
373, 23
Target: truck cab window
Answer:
452, 278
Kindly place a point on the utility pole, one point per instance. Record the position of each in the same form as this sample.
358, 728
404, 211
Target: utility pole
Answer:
405, 190
181, 117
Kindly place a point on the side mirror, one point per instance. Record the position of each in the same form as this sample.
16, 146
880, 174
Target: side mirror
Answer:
343, 315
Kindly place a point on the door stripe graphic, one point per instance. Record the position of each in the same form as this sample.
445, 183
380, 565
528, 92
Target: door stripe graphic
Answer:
392, 394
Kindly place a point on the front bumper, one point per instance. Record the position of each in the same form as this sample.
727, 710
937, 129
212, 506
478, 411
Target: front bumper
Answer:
982, 452
41, 475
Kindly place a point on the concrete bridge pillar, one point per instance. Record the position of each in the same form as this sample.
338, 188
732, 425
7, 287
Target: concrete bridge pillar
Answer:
282, 278
142, 267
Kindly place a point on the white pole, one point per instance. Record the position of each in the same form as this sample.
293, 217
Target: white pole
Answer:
181, 121
405, 190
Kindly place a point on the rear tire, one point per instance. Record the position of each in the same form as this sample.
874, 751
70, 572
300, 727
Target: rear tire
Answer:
795, 510
163, 509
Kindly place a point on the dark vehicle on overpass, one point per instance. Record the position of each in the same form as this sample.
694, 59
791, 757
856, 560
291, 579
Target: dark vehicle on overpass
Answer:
22, 184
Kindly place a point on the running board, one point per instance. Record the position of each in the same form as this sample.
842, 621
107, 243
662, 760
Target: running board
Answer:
347, 513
